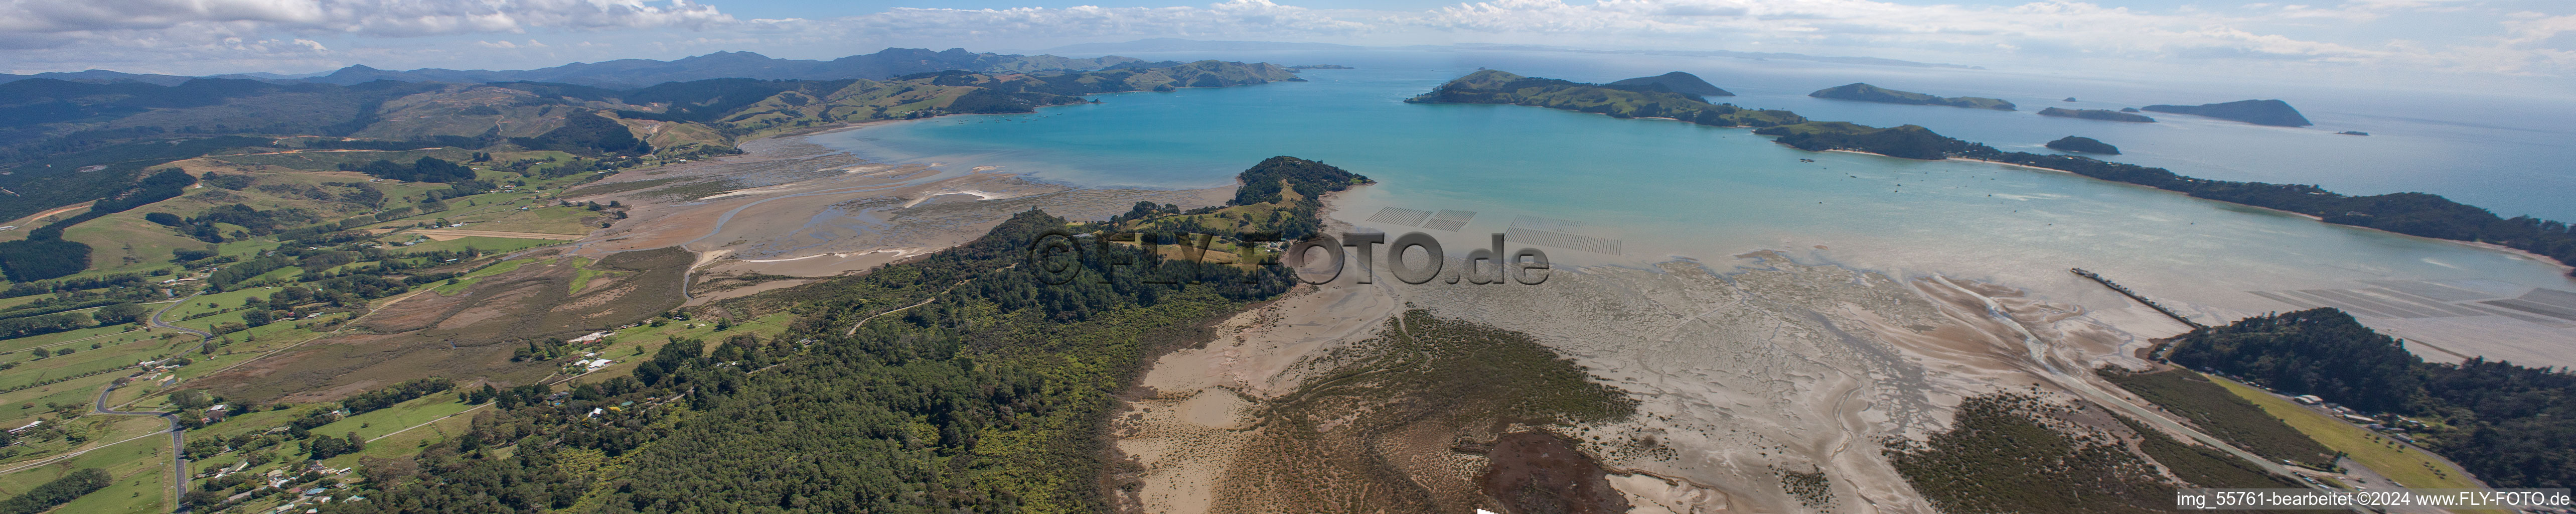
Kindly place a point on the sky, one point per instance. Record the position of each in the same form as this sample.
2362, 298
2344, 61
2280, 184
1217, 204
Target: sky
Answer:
2532, 40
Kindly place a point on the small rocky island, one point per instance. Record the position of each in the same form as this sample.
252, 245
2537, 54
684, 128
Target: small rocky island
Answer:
2096, 114
1677, 82
2260, 112
1864, 92
2083, 144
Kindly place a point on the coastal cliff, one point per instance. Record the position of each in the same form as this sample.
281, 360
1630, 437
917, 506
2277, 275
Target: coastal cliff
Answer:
1500, 87
1677, 82
1863, 92
2096, 114
2260, 112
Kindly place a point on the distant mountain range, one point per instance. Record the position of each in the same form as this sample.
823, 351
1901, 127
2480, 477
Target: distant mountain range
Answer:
627, 73
64, 142
1191, 45
1164, 44
632, 73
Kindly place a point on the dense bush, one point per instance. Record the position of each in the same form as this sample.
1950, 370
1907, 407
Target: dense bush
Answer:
427, 169
2513, 426
57, 492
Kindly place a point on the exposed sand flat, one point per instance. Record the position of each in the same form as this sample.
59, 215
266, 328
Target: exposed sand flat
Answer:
1746, 370
792, 208
1195, 421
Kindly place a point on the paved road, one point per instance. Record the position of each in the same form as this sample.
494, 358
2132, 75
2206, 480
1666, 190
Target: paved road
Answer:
178, 443
178, 437
156, 317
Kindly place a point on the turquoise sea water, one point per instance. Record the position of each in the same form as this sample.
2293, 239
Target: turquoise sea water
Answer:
1667, 190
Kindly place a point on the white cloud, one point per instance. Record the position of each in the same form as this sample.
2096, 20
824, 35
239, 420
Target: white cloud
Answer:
2360, 33
2047, 28
49, 23
1236, 18
191, 36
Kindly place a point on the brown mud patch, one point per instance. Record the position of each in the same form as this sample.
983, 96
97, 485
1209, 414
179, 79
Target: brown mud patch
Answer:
1540, 472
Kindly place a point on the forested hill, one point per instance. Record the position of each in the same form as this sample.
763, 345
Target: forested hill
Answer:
1299, 184
1646, 101
2417, 214
990, 397
2513, 426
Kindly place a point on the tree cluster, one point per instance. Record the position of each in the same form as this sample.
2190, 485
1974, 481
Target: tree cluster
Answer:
2513, 426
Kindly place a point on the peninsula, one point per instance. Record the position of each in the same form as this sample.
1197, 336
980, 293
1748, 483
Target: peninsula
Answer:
2415, 214
2096, 114
2260, 112
1500, 87
1858, 91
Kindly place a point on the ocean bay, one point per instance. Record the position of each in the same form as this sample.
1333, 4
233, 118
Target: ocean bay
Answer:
1664, 190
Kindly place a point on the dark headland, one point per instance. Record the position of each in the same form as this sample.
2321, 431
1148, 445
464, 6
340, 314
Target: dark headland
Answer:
1864, 92
1677, 82
2260, 112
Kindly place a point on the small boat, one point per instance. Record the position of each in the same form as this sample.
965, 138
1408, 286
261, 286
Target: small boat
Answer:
1806, 160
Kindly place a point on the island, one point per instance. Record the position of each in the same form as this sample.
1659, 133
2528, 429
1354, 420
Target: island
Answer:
1500, 87
2068, 99
1677, 82
2128, 109
2083, 144
2260, 112
2353, 133
1864, 92
2096, 114
1320, 67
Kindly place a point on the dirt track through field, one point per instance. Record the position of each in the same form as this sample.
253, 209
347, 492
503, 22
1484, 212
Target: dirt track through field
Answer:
444, 234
